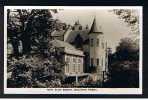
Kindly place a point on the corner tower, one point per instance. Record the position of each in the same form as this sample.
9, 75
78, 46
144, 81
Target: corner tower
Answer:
97, 50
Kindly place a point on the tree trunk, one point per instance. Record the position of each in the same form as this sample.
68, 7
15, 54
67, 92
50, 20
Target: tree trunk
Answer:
15, 44
26, 43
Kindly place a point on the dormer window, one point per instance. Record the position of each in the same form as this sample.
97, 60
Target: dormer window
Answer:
73, 28
80, 27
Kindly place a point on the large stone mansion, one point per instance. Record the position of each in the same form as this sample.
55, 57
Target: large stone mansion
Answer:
85, 50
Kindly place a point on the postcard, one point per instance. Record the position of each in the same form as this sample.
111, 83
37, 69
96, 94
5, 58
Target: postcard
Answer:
73, 50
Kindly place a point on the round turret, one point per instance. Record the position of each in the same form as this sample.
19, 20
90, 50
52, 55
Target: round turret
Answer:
97, 48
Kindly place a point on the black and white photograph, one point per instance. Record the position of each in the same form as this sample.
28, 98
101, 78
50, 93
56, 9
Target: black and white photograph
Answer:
73, 50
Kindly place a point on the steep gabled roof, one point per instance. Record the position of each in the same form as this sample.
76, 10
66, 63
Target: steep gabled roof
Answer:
68, 48
95, 28
71, 35
58, 43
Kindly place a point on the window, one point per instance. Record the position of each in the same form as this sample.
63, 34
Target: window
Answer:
97, 42
102, 61
91, 42
97, 61
79, 60
91, 61
74, 60
80, 27
102, 45
74, 67
86, 26
67, 59
73, 28
79, 67
67, 68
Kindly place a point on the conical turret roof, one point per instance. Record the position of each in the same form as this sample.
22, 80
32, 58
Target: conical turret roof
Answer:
95, 28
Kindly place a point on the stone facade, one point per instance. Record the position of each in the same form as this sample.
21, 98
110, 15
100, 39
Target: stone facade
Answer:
93, 46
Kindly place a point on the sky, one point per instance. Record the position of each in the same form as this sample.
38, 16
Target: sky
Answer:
113, 28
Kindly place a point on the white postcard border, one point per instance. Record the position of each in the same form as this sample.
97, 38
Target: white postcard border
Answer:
73, 90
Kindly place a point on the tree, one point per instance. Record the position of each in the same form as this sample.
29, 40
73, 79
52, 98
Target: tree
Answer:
131, 17
36, 71
127, 50
40, 64
124, 66
32, 27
